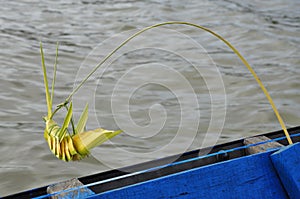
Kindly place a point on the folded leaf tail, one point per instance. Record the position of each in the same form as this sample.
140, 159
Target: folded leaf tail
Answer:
85, 141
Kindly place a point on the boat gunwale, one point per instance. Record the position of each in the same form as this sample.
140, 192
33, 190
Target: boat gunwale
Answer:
164, 171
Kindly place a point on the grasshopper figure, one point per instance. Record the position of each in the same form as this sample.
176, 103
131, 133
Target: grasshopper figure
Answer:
62, 143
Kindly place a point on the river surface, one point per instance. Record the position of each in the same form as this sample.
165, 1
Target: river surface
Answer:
175, 88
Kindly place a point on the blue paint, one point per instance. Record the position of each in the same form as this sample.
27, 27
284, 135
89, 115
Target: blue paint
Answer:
287, 163
247, 177
170, 165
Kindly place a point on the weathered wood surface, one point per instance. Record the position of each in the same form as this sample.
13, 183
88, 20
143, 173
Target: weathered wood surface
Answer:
262, 147
247, 177
72, 183
287, 164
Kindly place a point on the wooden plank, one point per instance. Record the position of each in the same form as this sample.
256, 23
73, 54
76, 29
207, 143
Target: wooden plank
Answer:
287, 164
262, 147
72, 183
247, 177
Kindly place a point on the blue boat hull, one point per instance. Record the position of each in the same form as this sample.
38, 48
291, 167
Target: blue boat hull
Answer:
226, 172
248, 177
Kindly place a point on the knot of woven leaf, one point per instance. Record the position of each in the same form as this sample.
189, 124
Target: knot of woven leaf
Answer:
65, 149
